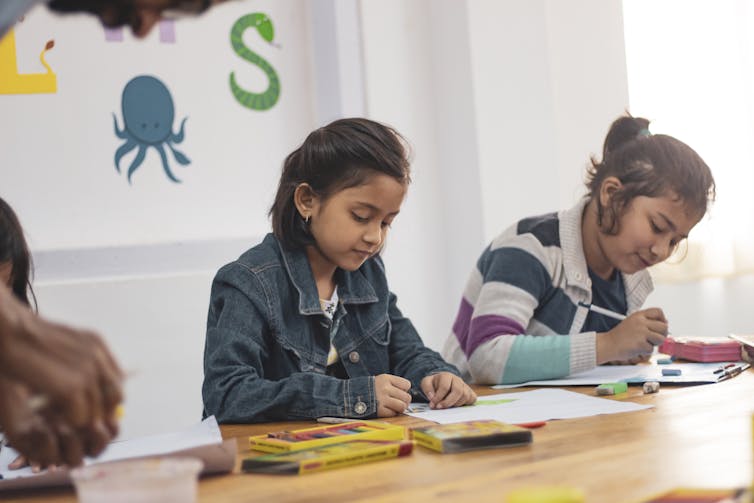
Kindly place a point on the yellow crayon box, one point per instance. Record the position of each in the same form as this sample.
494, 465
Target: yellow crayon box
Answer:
307, 438
327, 457
470, 435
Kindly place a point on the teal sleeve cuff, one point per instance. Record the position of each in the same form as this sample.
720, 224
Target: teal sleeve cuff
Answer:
534, 358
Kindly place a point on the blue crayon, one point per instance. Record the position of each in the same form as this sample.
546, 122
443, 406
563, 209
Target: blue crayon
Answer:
671, 372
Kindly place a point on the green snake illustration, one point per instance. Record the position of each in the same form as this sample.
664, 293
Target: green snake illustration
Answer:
254, 101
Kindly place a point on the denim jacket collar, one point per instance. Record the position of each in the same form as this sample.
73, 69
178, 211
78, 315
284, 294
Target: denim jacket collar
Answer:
353, 287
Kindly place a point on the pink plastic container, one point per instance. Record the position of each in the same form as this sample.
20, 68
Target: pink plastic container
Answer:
702, 349
155, 480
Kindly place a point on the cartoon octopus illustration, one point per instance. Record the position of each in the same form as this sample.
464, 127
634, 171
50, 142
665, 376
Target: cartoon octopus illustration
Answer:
148, 120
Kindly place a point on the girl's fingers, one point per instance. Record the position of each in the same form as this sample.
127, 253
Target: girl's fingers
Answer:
391, 407
653, 339
648, 348
428, 387
443, 382
447, 390
455, 394
467, 394
658, 327
655, 313
400, 383
401, 396
470, 396
462, 397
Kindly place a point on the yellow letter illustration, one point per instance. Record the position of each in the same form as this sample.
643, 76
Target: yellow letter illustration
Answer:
12, 82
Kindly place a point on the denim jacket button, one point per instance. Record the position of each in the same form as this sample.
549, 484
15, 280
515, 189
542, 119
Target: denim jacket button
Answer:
360, 407
354, 357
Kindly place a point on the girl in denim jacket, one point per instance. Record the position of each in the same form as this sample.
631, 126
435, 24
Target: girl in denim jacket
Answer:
304, 325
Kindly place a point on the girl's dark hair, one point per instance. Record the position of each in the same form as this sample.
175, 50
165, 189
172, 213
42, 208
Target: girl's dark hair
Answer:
647, 165
15, 251
343, 154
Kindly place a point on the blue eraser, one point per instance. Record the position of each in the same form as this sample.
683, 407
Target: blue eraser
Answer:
671, 372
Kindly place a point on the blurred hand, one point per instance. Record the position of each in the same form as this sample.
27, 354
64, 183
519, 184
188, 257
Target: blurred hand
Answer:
392, 394
72, 369
634, 337
42, 439
22, 462
446, 390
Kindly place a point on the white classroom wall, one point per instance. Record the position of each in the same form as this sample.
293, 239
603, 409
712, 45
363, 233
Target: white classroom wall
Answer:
502, 101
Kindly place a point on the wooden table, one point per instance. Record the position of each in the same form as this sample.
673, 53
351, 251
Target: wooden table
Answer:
697, 436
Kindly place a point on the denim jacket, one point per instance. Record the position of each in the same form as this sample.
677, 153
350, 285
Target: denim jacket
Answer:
265, 354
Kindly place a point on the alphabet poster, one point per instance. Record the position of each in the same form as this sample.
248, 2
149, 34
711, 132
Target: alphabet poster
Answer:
111, 140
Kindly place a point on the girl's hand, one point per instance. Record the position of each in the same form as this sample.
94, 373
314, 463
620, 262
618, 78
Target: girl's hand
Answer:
446, 390
392, 394
633, 337
631, 361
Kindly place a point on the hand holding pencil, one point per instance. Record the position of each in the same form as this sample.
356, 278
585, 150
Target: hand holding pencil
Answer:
392, 394
634, 337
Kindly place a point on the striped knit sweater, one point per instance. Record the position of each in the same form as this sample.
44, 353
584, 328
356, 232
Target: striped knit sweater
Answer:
520, 318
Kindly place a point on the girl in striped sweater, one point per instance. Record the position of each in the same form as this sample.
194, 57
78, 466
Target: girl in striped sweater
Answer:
525, 313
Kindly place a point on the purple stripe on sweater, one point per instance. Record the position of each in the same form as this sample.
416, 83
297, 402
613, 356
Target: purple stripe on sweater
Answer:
461, 325
484, 328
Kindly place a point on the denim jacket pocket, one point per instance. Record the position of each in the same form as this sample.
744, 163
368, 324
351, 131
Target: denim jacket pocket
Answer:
373, 328
362, 352
381, 334
298, 359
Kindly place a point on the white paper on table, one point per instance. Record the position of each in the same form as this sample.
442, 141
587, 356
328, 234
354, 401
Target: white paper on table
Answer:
691, 373
203, 441
530, 406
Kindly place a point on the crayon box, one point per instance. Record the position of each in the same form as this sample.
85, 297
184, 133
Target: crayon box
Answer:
470, 435
327, 457
307, 438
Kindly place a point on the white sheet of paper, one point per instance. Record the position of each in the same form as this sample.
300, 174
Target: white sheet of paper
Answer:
203, 441
698, 373
530, 406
